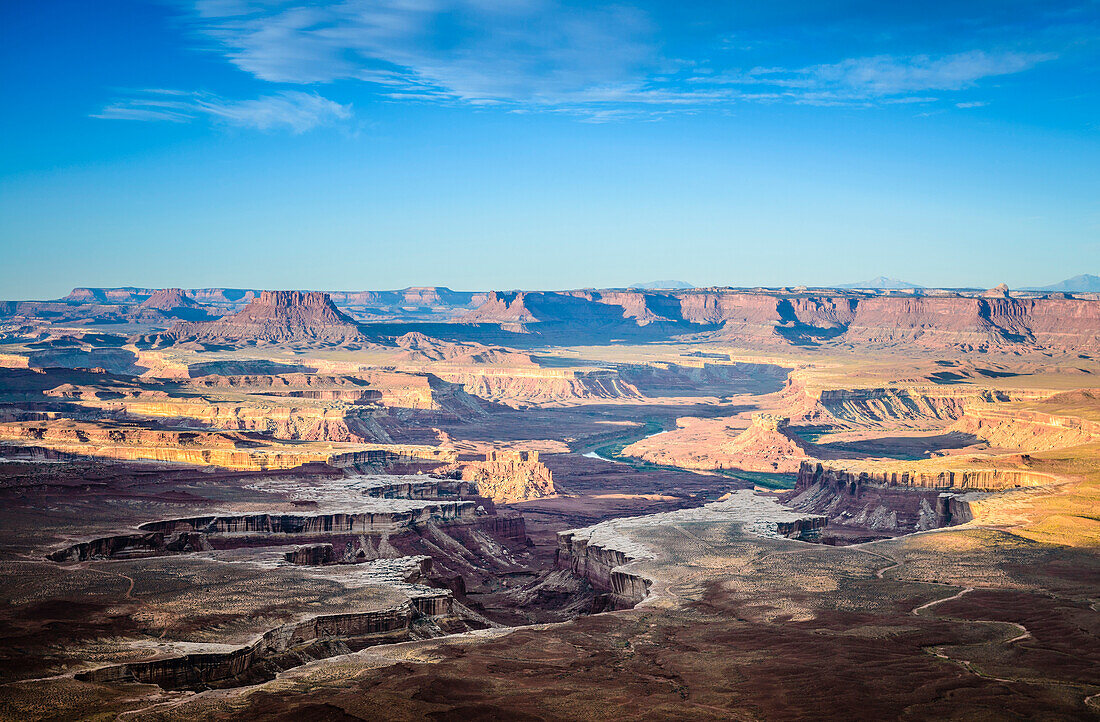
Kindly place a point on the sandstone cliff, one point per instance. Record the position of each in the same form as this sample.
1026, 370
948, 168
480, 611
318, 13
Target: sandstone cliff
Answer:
838, 318
506, 476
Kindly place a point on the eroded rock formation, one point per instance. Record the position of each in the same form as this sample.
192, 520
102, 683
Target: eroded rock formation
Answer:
770, 317
276, 317
506, 476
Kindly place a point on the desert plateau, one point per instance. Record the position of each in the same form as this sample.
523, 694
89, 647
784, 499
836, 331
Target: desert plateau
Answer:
549, 361
599, 504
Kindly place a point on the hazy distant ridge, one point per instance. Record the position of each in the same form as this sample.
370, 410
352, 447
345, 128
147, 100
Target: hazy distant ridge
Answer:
881, 282
661, 285
1084, 283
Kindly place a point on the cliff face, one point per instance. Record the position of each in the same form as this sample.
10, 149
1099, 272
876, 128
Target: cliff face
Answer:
280, 648
350, 523
183, 536
894, 406
984, 323
962, 479
600, 566
337, 422
227, 449
886, 503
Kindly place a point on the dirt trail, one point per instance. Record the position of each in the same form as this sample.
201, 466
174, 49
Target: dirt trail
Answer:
129, 589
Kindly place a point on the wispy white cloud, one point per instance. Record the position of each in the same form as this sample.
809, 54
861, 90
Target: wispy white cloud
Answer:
882, 78
290, 110
885, 75
595, 60
534, 51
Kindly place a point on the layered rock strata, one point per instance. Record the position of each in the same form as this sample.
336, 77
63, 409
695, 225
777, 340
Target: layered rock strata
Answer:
856, 475
506, 476
946, 320
1025, 430
886, 503
224, 449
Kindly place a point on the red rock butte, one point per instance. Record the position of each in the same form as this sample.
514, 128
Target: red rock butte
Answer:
278, 317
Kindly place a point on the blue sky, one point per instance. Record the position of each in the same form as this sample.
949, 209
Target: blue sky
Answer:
546, 144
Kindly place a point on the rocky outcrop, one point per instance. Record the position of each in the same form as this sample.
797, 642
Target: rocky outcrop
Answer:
767, 445
600, 566
313, 555
275, 317
506, 476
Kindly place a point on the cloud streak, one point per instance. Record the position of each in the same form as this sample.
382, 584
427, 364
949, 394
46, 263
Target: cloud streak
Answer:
292, 110
596, 61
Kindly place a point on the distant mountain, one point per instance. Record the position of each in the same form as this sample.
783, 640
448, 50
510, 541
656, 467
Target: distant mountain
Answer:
1085, 283
661, 285
881, 282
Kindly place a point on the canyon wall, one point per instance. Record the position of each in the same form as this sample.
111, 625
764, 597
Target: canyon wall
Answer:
225, 449
600, 566
915, 406
885, 502
857, 475
286, 646
1025, 430
944, 320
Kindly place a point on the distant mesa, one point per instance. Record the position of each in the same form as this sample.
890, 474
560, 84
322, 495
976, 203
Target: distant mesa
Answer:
169, 299
170, 303
1084, 283
277, 317
882, 282
662, 285
998, 291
